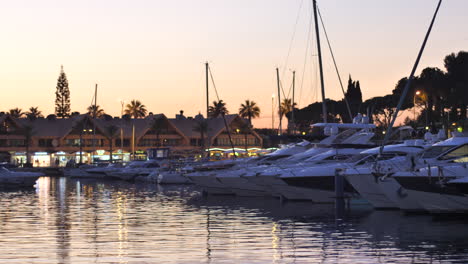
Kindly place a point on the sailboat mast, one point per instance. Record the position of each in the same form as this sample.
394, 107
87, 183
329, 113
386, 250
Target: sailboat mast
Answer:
279, 100
94, 122
319, 53
292, 103
207, 85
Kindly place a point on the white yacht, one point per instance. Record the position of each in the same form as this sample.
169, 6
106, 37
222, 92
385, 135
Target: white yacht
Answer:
134, 169
337, 146
15, 179
442, 162
210, 182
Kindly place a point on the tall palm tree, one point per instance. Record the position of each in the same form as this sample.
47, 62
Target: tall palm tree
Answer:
218, 108
201, 126
249, 110
245, 130
81, 125
16, 112
157, 125
28, 132
95, 111
34, 113
111, 132
136, 109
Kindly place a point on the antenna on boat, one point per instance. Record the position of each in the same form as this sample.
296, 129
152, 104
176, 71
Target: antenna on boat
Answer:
319, 53
410, 79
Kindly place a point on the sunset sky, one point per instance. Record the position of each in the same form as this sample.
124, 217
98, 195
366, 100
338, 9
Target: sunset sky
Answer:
154, 50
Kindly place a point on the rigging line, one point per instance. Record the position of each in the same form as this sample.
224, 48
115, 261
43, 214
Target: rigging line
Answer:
292, 38
305, 57
336, 67
212, 81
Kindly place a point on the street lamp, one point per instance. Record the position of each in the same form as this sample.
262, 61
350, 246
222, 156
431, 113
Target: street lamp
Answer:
122, 103
273, 112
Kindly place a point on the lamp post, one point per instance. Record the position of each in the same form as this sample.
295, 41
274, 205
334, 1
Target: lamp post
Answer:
122, 102
273, 112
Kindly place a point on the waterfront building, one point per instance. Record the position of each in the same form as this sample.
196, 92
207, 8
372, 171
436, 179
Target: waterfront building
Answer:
58, 141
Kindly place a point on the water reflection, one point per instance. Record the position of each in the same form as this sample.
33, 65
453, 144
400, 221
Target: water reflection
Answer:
69, 221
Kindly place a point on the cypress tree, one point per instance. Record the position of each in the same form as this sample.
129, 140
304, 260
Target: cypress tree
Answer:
62, 96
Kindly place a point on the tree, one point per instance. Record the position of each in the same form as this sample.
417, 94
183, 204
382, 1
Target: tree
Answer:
382, 109
136, 109
95, 111
245, 129
201, 126
457, 82
218, 108
16, 112
28, 132
81, 125
111, 132
34, 113
286, 108
157, 125
62, 96
354, 96
249, 110
431, 83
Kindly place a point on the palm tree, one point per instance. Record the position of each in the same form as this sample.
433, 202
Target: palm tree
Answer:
245, 130
34, 113
249, 110
95, 111
136, 109
16, 112
111, 132
81, 125
28, 132
201, 126
218, 108
286, 107
157, 125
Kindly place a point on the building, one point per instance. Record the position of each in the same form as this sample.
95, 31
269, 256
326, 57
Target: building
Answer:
57, 141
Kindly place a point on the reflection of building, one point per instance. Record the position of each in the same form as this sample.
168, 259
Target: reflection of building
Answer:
55, 141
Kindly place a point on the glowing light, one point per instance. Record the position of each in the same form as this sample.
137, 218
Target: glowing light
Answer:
418, 92
454, 124
427, 128
303, 133
460, 129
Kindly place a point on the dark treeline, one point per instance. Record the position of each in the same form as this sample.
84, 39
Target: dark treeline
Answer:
439, 98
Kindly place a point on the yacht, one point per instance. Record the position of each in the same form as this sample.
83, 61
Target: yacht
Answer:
15, 179
209, 181
371, 179
336, 147
441, 163
134, 169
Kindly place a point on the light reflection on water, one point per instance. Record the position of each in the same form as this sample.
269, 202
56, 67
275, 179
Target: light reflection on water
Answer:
69, 221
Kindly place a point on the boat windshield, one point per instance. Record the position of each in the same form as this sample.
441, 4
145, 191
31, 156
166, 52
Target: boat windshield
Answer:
459, 154
435, 151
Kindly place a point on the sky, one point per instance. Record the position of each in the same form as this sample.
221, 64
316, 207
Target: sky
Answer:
155, 50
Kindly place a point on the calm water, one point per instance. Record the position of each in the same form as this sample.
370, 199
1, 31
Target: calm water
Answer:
69, 221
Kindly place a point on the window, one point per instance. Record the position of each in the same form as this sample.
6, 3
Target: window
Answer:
456, 153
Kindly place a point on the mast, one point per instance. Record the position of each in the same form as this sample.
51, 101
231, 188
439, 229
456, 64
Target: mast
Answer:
410, 79
319, 53
207, 95
94, 123
292, 103
279, 100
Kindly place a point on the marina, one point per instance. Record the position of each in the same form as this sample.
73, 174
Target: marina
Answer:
372, 172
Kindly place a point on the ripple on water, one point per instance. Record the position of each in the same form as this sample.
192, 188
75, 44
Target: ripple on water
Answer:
65, 221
